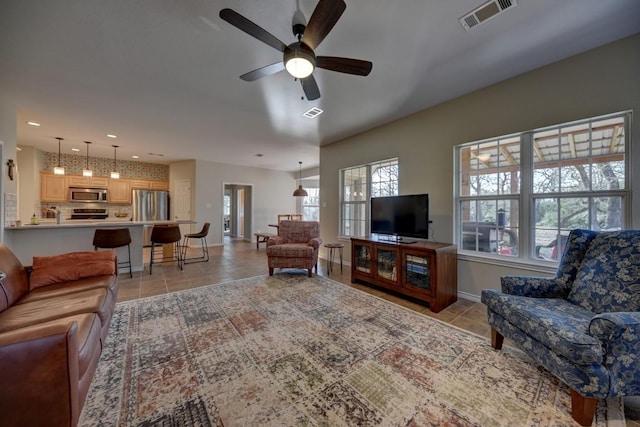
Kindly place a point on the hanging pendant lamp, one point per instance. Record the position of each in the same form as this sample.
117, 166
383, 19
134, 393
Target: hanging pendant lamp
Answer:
58, 170
87, 172
300, 192
114, 173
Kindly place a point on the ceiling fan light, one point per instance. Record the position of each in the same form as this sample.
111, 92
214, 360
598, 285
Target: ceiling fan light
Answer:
299, 60
299, 67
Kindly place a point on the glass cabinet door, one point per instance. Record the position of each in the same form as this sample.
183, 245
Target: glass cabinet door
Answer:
362, 257
418, 270
387, 260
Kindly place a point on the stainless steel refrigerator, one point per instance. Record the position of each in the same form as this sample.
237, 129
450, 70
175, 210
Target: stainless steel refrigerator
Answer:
149, 205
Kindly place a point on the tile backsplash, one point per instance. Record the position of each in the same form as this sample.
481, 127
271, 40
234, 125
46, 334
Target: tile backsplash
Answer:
102, 167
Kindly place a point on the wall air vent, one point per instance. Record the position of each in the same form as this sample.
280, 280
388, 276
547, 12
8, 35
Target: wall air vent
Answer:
485, 12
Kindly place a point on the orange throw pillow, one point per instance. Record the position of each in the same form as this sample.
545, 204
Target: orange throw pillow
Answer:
48, 270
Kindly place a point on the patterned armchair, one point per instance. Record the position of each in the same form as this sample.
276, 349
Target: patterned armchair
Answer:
583, 325
295, 246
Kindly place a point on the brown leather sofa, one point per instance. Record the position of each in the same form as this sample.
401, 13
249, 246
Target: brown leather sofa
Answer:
51, 338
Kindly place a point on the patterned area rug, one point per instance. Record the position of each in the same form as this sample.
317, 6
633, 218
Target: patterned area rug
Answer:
289, 350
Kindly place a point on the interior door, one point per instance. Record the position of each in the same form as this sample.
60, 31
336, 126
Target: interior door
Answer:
181, 204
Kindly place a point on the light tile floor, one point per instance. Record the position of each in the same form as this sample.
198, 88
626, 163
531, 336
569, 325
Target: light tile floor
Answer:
239, 259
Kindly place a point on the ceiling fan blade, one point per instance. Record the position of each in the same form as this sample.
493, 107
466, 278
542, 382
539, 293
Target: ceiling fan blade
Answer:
310, 87
358, 67
324, 17
261, 72
242, 23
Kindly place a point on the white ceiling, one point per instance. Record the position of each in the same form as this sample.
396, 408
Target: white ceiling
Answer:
163, 74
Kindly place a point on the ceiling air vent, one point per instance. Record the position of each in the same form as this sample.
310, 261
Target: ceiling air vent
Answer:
485, 12
313, 112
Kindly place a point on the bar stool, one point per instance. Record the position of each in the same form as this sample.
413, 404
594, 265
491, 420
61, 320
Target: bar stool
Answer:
164, 234
202, 235
114, 238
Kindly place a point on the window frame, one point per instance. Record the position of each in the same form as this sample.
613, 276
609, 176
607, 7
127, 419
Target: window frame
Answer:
366, 202
527, 196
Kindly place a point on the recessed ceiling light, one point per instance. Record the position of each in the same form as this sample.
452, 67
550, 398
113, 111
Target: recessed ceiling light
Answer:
312, 112
33, 124
135, 157
18, 148
75, 149
110, 135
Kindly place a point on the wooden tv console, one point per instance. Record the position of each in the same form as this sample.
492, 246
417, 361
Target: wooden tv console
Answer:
426, 271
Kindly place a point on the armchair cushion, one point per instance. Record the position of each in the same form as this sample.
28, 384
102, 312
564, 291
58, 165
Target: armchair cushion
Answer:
609, 277
554, 322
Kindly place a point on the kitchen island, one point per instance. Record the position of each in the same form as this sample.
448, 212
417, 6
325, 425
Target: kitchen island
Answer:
50, 238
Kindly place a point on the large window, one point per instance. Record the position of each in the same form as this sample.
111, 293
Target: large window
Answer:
520, 195
358, 185
311, 204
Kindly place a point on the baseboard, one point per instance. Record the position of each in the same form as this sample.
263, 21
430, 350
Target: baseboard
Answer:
468, 296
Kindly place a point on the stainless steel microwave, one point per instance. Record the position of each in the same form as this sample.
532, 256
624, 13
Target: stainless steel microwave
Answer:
88, 195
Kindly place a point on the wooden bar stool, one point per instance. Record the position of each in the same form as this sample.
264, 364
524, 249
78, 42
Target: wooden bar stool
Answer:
161, 235
112, 238
202, 235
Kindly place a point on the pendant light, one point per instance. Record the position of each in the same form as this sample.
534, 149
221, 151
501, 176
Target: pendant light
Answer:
87, 172
300, 192
58, 170
114, 173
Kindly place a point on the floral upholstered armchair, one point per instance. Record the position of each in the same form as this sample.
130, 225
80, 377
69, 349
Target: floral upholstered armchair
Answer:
583, 325
295, 246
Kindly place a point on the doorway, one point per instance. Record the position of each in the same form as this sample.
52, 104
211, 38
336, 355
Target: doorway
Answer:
237, 211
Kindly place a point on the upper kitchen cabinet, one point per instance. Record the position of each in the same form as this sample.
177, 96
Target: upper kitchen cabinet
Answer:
119, 191
87, 181
53, 188
139, 184
145, 184
159, 185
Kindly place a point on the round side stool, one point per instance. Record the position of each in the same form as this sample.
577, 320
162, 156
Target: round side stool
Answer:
332, 250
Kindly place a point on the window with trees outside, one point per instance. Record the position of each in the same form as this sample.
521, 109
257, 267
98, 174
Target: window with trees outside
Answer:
311, 204
520, 195
358, 185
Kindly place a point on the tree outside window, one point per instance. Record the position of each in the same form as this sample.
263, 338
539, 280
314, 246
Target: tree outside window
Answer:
359, 184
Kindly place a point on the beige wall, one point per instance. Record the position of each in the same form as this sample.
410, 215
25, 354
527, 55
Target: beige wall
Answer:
271, 193
8, 142
30, 161
601, 81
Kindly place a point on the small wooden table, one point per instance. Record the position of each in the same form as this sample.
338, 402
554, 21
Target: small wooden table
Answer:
262, 238
332, 247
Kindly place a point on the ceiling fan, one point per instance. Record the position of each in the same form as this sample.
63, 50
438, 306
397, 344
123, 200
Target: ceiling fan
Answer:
299, 58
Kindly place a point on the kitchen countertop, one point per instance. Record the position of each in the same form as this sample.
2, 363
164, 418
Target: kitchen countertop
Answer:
87, 223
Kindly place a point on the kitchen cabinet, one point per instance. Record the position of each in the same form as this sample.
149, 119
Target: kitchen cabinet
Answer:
53, 188
146, 184
159, 185
87, 181
119, 191
139, 184
426, 271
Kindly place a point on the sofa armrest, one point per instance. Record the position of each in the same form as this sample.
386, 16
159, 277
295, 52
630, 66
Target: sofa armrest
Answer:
315, 242
619, 335
619, 327
275, 240
39, 369
533, 287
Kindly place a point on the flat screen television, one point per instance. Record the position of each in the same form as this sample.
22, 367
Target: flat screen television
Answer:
401, 215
